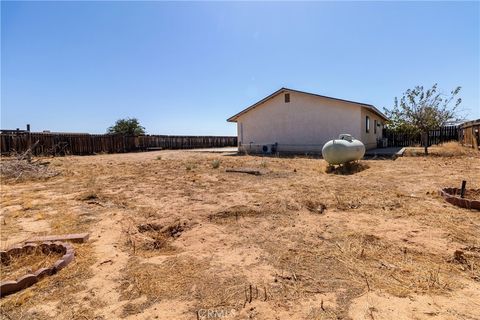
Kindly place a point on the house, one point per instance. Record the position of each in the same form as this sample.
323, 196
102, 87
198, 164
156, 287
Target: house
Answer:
292, 121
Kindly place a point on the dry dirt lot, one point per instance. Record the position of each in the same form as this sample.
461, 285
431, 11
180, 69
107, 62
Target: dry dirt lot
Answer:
173, 236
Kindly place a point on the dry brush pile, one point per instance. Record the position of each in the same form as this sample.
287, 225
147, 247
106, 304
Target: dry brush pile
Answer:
21, 167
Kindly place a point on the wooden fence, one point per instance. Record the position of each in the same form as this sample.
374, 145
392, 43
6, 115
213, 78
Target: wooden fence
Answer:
83, 144
469, 134
400, 139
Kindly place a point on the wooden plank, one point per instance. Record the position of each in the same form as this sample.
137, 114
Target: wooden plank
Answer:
74, 237
244, 170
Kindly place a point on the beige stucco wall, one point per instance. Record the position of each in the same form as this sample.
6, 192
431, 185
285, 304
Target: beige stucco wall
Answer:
370, 139
303, 125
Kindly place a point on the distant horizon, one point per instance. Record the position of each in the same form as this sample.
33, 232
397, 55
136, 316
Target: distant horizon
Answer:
183, 68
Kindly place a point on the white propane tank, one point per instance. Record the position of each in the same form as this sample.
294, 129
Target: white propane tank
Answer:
342, 150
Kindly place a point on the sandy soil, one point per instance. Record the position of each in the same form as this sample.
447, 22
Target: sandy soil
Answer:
172, 237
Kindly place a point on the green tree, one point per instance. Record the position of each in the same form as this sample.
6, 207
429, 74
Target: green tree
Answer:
420, 110
127, 126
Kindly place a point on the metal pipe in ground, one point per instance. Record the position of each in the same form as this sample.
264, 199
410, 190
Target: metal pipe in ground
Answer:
462, 190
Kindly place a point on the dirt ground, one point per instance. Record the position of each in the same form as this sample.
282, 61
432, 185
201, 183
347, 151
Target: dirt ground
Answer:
175, 236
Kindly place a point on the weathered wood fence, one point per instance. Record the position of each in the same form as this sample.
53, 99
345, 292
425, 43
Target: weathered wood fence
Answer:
469, 133
83, 144
400, 139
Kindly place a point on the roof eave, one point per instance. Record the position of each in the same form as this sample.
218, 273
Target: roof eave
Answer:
369, 106
378, 112
235, 117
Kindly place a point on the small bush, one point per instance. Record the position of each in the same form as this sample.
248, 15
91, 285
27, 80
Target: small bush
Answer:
263, 164
159, 158
215, 164
190, 166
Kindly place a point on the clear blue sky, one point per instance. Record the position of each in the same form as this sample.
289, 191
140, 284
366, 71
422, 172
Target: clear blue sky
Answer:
184, 68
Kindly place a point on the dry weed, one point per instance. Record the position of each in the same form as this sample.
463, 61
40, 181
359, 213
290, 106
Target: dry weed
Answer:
450, 149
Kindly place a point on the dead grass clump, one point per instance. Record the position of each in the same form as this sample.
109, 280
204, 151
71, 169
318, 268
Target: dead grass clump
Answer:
242, 211
468, 260
323, 313
348, 202
23, 170
149, 227
182, 277
348, 168
156, 241
473, 194
399, 271
25, 263
307, 268
315, 206
234, 212
132, 308
414, 152
71, 222
88, 196
391, 204
452, 149
190, 166
149, 239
